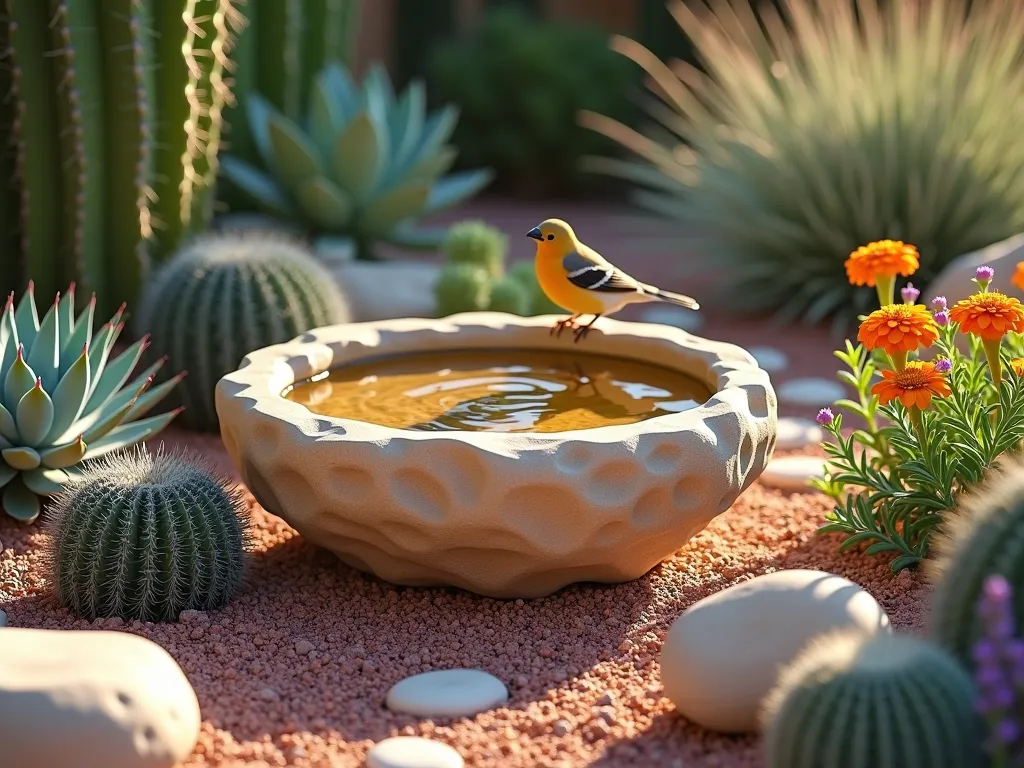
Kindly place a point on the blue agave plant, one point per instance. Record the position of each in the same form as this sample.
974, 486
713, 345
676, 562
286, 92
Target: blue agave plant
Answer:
63, 400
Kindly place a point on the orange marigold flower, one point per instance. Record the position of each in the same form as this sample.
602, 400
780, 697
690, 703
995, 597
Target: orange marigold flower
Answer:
913, 386
1017, 281
989, 315
1018, 365
886, 258
898, 328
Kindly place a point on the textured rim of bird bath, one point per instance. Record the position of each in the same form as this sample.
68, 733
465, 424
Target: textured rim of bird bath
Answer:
506, 515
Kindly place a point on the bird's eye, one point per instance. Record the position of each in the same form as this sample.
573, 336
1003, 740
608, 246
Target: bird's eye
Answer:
551, 237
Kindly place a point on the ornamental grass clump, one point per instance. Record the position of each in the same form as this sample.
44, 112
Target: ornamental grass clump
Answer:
940, 395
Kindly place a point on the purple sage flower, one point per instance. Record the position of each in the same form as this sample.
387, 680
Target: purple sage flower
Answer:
909, 293
943, 366
984, 274
942, 317
999, 665
939, 303
825, 417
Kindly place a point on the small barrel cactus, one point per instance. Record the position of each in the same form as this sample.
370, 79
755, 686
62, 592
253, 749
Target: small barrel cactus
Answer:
145, 536
64, 399
984, 536
849, 701
226, 295
462, 288
476, 242
510, 295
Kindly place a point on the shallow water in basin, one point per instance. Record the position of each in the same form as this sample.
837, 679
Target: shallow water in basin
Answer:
500, 391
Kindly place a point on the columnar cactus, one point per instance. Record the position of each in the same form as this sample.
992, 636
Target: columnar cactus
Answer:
146, 536
63, 400
225, 295
852, 702
985, 536
113, 110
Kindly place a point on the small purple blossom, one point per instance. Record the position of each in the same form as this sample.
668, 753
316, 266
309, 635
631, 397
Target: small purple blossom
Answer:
943, 366
825, 417
984, 274
939, 303
999, 659
942, 317
909, 293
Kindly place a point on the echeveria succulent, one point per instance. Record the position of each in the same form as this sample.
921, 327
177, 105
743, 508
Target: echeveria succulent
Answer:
63, 400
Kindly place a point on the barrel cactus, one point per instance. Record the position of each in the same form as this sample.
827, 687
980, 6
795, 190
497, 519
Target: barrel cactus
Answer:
854, 702
363, 163
225, 295
510, 295
145, 536
985, 536
462, 288
63, 399
475, 242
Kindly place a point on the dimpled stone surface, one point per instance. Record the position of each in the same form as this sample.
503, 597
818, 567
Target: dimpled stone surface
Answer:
505, 515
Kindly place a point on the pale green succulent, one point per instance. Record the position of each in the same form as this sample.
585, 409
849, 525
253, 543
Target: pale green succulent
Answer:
365, 164
63, 400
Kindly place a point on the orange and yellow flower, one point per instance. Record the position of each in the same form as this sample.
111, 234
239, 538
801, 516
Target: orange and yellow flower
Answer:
914, 386
1018, 365
1017, 281
989, 315
884, 258
898, 328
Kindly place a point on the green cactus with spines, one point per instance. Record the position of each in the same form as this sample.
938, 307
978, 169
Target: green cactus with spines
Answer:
114, 115
145, 536
462, 288
63, 400
476, 242
849, 701
984, 536
510, 295
226, 295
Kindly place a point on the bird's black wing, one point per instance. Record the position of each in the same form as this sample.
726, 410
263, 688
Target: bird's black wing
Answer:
596, 276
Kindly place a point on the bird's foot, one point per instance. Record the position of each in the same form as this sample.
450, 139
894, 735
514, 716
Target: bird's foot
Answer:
580, 333
561, 325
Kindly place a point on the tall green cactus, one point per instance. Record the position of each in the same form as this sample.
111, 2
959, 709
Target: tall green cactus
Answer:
113, 108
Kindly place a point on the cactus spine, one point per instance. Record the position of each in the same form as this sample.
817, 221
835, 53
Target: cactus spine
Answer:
985, 536
146, 536
114, 155
226, 295
852, 702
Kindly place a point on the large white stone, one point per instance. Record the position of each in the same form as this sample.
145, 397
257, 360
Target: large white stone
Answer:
770, 359
386, 290
447, 693
797, 433
791, 473
954, 282
677, 317
92, 699
722, 656
812, 392
412, 752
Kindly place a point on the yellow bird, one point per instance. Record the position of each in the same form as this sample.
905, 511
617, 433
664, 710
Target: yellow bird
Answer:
580, 280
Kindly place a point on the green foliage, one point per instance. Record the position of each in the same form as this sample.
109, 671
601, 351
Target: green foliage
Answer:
520, 82
63, 400
225, 295
462, 288
476, 242
842, 127
362, 163
984, 537
848, 701
146, 536
112, 116
510, 295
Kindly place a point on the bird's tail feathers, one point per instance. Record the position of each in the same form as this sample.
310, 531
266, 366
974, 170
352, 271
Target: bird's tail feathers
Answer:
671, 298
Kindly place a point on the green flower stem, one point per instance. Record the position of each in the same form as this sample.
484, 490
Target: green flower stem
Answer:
918, 422
898, 360
886, 287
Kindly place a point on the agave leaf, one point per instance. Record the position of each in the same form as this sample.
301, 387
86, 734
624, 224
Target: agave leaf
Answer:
7, 473
453, 189
409, 236
44, 356
114, 376
131, 433
45, 482
9, 335
8, 430
436, 132
327, 204
358, 156
125, 395
107, 423
378, 84
70, 396
325, 115
80, 338
296, 159
20, 379
434, 166
395, 206
26, 317
20, 503
259, 110
343, 91
34, 415
22, 457
64, 455
66, 315
263, 190
406, 123
146, 401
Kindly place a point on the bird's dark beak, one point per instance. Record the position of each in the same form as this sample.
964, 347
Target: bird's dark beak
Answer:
535, 234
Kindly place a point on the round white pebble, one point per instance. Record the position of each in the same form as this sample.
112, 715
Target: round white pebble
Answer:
791, 473
812, 392
412, 752
447, 693
677, 317
770, 359
797, 433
